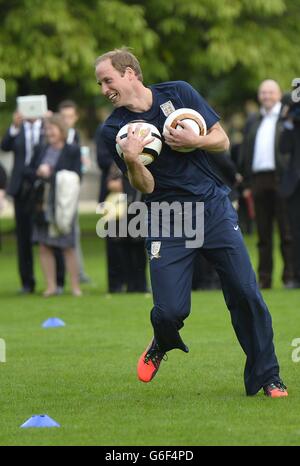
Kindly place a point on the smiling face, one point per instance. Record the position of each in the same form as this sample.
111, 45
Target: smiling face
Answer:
53, 134
269, 94
117, 88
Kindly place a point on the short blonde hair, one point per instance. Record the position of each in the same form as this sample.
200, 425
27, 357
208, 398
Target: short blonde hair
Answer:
57, 120
122, 59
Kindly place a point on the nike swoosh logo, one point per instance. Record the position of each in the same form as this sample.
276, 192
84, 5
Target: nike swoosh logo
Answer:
236, 228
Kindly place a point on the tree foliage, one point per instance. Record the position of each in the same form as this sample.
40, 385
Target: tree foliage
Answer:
223, 47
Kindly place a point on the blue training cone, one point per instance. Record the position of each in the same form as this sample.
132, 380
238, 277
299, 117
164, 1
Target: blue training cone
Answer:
53, 322
40, 420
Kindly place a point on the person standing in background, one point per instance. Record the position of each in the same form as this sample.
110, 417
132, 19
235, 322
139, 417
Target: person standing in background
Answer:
69, 112
104, 160
110, 183
290, 185
261, 166
3, 181
48, 160
21, 138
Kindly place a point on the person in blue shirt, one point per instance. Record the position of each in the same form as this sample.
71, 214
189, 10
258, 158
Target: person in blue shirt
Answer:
186, 178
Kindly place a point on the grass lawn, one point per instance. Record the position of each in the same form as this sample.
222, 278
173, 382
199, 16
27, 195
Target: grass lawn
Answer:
84, 375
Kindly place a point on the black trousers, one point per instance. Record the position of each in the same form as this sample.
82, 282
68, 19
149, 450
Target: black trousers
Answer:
135, 264
60, 267
294, 215
271, 207
24, 227
126, 264
115, 265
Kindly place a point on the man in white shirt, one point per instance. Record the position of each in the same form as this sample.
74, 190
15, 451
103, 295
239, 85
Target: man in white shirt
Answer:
262, 167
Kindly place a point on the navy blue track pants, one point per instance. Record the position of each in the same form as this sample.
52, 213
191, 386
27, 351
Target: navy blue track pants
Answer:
171, 277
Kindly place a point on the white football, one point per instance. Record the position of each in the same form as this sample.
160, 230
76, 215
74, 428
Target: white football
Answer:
152, 150
189, 116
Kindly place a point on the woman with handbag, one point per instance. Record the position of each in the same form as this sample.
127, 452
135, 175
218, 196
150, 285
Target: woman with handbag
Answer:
47, 161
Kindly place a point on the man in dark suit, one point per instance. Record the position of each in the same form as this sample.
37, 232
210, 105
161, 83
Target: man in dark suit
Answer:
290, 186
114, 247
3, 181
104, 161
3, 178
126, 258
261, 167
20, 138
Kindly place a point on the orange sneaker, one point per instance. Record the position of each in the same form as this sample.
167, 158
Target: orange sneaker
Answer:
275, 390
149, 362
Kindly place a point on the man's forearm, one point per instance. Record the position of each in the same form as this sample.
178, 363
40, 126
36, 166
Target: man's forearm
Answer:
215, 141
140, 177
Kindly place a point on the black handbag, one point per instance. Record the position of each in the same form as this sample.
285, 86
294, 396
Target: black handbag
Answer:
39, 214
